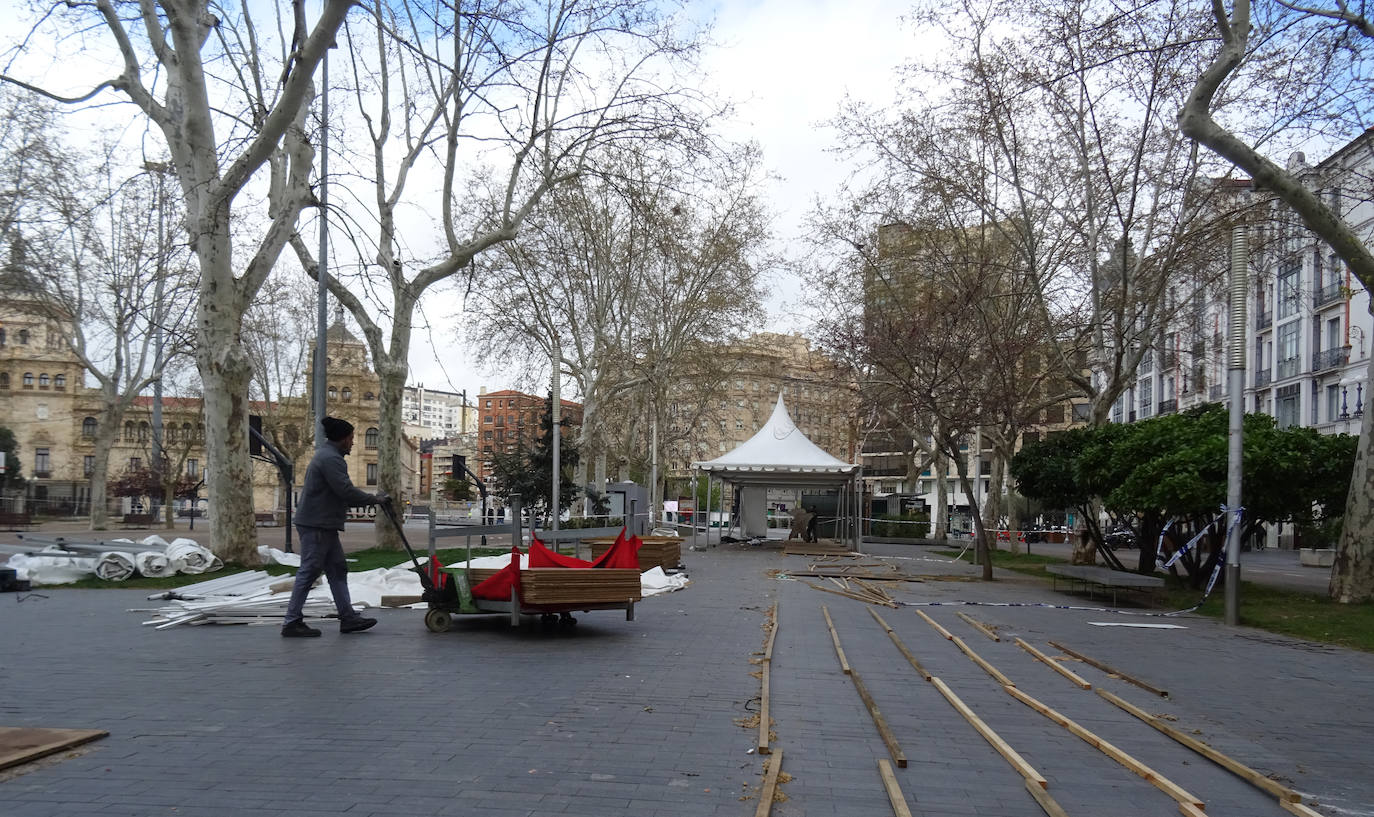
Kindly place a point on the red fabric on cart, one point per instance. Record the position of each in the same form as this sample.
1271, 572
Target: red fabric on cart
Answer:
541, 556
498, 587
623, 554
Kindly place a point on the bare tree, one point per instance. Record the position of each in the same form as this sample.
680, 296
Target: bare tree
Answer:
536, 92
1339, 36
637, 276
231, 114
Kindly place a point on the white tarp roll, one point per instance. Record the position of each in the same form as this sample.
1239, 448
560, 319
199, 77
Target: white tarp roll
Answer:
188, 557
272, 556
52, 569
152, 564
114, 566
156, 541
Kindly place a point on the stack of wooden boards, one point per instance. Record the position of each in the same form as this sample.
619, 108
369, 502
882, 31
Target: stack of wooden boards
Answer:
658, 551
570, 585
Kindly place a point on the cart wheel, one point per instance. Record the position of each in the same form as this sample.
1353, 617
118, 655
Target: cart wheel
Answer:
438, 621
548, 619
566, 621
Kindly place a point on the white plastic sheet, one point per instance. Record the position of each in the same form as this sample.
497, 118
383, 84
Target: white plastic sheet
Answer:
654, 581
114, 566
52, 569
272, 556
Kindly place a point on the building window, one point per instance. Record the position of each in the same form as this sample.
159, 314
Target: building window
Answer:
370, 439
4, 380
88, 427
1333, 403
372, 473
193, 469
2, 337
347, 394
1289, 294
28, 380
23, 337
60, 381
369, 396
1287, 406
44, 381
1146, 392
88, 465
144, 432
135, 463
42, 463
200, 431
129, 431
333, 393
487, 421
1288, 350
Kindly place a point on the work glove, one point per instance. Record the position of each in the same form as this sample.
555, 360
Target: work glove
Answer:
383, 499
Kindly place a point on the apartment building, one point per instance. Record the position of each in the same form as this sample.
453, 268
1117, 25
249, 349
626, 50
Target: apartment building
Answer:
509, 419
437, 414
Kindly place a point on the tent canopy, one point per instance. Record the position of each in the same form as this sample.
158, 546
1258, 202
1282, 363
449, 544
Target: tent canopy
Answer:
779, 455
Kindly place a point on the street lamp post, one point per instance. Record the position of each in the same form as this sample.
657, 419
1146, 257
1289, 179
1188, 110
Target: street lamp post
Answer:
1239, 283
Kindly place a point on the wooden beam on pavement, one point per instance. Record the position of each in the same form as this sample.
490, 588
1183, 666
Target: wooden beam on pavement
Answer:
1230, 764
916, 665
1054, 665
932, 622
1003, 748
765, 719
1048, 803
889, 739
894, 792
978, 659
1299, 809
1110, 670
1151, 776
835, 639
979, 626
772, 766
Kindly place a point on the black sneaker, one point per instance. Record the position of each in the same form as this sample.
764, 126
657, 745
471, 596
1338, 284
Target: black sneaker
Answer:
298, 629
357, 624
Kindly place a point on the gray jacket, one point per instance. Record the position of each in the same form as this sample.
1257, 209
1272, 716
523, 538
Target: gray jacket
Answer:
328, 492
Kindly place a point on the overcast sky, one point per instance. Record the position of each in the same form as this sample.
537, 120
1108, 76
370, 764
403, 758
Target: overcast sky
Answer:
788, 64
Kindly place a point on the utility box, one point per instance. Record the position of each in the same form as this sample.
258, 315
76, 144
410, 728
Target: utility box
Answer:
630, 501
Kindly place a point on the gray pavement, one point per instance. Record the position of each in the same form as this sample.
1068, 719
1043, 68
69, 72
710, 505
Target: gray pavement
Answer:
640, 718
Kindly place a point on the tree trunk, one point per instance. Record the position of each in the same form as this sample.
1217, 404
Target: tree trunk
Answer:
980, 534
389, 446
105, 435
1352, 574
940, 513
1084, 547
225, 373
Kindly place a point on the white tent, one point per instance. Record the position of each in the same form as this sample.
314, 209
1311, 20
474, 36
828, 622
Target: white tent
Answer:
780, 455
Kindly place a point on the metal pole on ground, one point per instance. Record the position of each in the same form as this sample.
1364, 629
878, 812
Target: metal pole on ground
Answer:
1235, 372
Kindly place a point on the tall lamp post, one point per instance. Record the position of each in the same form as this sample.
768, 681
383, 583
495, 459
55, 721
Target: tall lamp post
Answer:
319, 376
1235, 372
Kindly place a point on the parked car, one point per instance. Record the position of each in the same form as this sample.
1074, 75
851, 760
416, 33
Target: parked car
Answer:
1119, 536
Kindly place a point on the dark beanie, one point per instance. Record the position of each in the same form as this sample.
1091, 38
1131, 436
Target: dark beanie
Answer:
336, 429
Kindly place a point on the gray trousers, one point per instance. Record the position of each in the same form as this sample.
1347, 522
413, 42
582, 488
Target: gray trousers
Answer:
320, 553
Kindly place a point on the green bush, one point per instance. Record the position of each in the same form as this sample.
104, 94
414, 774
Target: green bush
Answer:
899, 525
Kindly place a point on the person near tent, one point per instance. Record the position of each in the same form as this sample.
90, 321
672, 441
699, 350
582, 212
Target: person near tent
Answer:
326, 496
811, 524
801, 521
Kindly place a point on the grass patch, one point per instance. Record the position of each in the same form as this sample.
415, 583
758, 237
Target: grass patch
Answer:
369, 559
1308, 616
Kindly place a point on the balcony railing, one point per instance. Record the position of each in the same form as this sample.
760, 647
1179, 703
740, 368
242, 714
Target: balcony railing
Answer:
1331, 292
1263, 378
1264, 320
1215, 392
1168, 406
1288, 367
44, 474
1330, 359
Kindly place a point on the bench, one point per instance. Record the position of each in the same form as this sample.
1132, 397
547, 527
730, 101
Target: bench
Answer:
138, 520
268, 518
1091, 576
12, 520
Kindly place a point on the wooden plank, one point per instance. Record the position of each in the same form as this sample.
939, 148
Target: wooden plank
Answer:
894, 792
764, 716
1299, 809
977, 659
772, 633
1003, 748
21, 744
1151, 776
773, 765
849, 595
835, 638
911, 659
1054, 665
1190, 810
1109, 669
980, 626
1234, 766
932, 622
889, 739
1048, 803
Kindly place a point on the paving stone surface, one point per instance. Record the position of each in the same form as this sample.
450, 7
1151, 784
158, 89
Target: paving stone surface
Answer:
643, 718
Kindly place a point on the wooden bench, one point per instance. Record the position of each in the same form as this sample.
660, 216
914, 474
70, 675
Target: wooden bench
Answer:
268, 518
12, 520
139, 520
1105, 578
